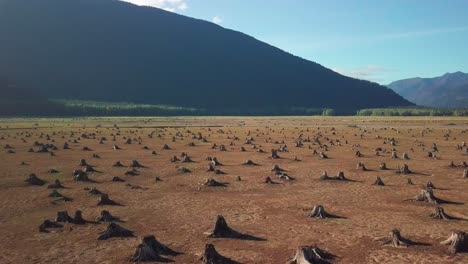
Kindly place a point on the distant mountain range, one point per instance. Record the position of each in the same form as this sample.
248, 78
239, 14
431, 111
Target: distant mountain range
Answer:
107, 50
449, 90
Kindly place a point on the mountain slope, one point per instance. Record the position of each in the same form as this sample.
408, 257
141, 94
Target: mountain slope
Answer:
115, 51
449, 90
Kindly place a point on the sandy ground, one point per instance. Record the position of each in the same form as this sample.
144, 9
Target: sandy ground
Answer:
179, 210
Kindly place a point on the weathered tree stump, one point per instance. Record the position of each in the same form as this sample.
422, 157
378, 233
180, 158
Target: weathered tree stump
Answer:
215, 162
361, 166
186, 158
268, 180
410, 182
166, 147
395, 240
83, 163
465, 174
118, 164
34, 180
311, 255
222, 230
427, 195
55, 194
211, 256
249, 163
105, 200
274, 154
322, 155
78, 218
211, 167
394, 155
457, 242
114, 230
56, 185
117, 179
81, 176
106, 217
48, 224
136, 164
405, 156
439, 213
94, 191
213, 183
404, 169
379, 182
383, 166
63, 217
319, 212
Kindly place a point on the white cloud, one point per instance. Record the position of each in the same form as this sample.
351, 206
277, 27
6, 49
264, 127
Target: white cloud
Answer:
371, 73
217, 20
169, 5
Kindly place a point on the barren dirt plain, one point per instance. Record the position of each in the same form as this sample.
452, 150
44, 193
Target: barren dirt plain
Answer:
179, 210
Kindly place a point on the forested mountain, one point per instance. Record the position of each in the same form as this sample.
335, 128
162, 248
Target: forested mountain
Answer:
107, 50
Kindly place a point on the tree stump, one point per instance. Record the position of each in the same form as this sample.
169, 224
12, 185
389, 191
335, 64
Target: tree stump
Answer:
83, 163
405, 156
55, 194
383, 166
395, 239
394, 155
166, 147
81, 176
34, 180
311, 255
213, 183
319, 212
211, 256
63, 217
48, 224
465, 174
114, 230
211, 167
78, 219
439, 213
427, 195
457, 242
274, 154
410, 182
56, 185
379, 181
150, 249
136, 164
222, 230
118, 164
106, 217
105, 200
215, 162
117, 179
322, 155
249, 163
94, 191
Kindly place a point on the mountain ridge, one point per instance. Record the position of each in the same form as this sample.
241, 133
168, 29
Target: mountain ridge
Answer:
449, 90
108, 50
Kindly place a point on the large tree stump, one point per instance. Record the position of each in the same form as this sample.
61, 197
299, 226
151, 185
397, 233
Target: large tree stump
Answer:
78, 219
395, 240
114, 230
457, 242
34, 180
439, 213
150, 249
222, 230
118, 164
211, 256
249, 163
215, 162
311, 255
427, 195
319, 212
105, 200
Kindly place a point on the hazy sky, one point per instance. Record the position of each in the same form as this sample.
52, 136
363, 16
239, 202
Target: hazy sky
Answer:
378, 40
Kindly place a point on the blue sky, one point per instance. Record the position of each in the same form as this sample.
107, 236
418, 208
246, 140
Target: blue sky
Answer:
377, 40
